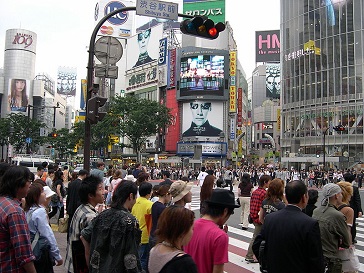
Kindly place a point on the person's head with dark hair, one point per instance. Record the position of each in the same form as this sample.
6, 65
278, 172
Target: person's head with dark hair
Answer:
91, 191
145, 189
58, 175
125, 167
312, 196
137, 166
124, 195
275, 190
245, 178
182, 230
185, 178
117, 174
32, 177
295, 190
34, 196
142, 177
210, 172
220, 206
264, 180
53, 166
203, 169
100, 165
44, 164
65, 168
3, 168
40, 168
15, 182
207, 187
349, 177
83, 172
51, 171
167, 174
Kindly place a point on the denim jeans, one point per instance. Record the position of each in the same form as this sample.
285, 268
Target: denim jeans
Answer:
144, 250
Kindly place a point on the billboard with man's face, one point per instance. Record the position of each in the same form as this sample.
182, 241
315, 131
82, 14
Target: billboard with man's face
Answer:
273, 81
143, 48
66, 81
18, 95
202, 118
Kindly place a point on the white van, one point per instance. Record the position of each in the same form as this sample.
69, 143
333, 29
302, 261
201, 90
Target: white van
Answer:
31, 161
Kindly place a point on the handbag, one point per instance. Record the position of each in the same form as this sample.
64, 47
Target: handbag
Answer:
238, 201
349, 259
63, 224
39, 243
250, 219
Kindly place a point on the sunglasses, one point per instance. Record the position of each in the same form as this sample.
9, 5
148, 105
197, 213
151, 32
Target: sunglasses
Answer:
204, 106
144, 35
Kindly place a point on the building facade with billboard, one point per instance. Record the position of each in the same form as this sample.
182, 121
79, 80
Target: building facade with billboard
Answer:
322, 82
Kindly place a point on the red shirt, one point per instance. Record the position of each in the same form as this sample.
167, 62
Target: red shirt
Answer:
15, 246
256, 202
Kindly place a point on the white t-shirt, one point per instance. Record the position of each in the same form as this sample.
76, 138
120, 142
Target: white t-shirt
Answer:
201, 177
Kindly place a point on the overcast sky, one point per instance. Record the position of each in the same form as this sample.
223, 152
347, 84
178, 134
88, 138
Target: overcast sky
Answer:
64, 28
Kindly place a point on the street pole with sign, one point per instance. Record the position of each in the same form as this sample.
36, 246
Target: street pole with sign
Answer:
90, 70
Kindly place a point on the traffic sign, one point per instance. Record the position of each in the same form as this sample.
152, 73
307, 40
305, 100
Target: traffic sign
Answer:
28, 140
158, 9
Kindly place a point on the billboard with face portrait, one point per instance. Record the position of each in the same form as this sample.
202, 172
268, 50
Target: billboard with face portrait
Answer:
18, 95
273, 80
143, 48
202, 119
66, 81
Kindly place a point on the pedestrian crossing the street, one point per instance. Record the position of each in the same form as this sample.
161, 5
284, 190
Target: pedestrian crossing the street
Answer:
239, 240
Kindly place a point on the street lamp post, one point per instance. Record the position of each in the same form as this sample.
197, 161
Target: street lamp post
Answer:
324, 148
222, 137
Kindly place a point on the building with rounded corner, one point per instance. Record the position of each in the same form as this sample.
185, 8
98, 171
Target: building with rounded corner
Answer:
322, 83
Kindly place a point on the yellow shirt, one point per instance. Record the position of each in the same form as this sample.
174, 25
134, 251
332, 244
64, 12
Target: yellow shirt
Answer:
142, 207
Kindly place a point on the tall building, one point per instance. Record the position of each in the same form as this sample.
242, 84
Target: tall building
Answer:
322, 83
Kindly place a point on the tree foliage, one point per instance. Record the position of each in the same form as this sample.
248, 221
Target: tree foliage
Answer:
138, 119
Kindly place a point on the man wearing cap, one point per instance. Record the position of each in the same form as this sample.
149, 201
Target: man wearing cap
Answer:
73, 199
333, 228
291, 233
209, 243
181, 192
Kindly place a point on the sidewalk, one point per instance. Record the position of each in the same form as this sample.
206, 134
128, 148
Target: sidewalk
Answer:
62, 244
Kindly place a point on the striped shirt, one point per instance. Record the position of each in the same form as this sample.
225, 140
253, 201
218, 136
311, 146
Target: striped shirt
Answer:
81, 219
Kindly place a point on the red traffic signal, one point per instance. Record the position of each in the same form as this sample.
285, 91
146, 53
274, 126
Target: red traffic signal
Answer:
202, 27
339, 128
93, 113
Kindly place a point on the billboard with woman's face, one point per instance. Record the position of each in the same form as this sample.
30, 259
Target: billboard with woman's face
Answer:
18, 98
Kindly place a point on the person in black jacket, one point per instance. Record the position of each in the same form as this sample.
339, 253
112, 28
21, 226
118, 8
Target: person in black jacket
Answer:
355, 203
311, 204
291, 233
73, 199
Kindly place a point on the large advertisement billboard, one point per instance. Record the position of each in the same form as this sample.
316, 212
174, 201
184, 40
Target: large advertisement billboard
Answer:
120, 25
173, 131
268, 46
202, 118
143, 48
18, 95
66, 81
214, 10
273, 80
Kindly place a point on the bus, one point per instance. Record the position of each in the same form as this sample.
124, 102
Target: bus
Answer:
32, 162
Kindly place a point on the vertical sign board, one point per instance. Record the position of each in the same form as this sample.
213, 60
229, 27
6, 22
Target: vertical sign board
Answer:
232, 108
232, 129
171, 72
278, 120
162, 58
240, 108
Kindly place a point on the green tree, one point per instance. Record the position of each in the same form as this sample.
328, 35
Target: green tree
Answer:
138, 119
21, 128
64, 143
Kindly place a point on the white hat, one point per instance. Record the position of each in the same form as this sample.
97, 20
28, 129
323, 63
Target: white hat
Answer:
48, 192
130, 177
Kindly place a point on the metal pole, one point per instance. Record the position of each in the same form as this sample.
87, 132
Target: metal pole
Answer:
90, 70
324, 148
28, 146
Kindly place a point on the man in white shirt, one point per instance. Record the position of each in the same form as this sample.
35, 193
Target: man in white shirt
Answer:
201, 176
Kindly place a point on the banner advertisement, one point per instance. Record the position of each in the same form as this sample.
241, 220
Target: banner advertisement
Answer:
119, 25
143, 48
267, 46
66, 81
171, 72
83, 94
273, 81
232, 64
18, 95
198, 121
239, 120
214, 10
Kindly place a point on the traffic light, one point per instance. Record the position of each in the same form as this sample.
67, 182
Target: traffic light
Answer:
339, 128
93, 105
202, 27
53, 134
